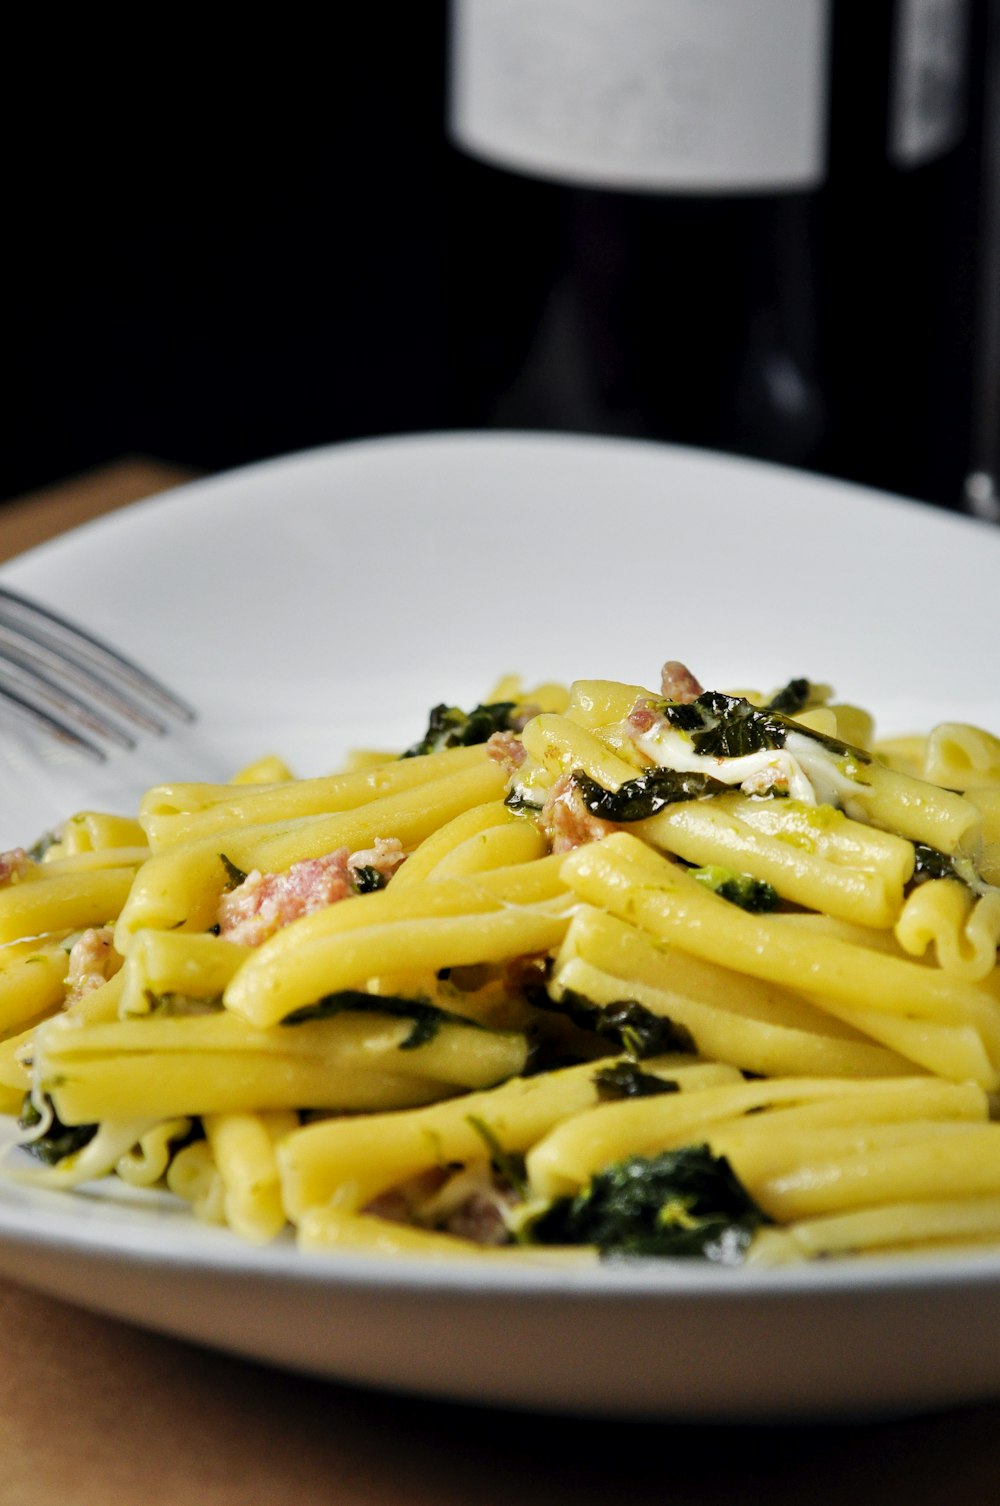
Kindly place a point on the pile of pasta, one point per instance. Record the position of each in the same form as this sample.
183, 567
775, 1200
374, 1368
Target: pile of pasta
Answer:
591, 971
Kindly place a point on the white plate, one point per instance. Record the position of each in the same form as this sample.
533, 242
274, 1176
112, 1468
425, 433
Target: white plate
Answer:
311, 604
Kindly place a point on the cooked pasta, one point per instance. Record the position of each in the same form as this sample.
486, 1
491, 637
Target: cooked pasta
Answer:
589, 971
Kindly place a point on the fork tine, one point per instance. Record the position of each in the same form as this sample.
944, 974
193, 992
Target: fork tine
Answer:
59, 670
52, 672
91, 655
51, 725
31, 677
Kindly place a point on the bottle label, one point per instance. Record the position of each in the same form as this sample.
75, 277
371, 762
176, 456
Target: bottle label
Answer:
677, 95
930, 56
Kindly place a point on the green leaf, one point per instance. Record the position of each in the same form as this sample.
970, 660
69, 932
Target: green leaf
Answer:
628, 1080
507, 1163
367, 879
726, 726
742, 889
427, 1018
450, 727
792, 698
518, 802
234, 876
931, 864
181, 1006
39, 848
643, 796
682, 1203
630, 1025
60, 1140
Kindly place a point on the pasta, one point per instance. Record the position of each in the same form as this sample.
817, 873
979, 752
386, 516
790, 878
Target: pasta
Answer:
591, 971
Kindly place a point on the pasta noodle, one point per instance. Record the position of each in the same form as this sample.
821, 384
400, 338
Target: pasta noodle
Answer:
590, 970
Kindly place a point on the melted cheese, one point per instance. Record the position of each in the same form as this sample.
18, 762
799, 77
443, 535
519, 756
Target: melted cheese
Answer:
804, 768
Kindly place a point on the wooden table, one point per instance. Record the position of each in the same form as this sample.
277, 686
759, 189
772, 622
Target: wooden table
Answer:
93, 1411
41, 515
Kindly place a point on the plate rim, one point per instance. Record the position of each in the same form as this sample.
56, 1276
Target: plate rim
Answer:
657, 1283
827, 487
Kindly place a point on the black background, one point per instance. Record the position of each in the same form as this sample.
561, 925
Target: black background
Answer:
227, 245
223, 247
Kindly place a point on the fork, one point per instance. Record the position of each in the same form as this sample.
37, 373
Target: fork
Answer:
73, 687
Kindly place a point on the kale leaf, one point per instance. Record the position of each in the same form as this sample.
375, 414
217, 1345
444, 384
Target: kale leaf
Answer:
630, 1025
181, 1006
450, 727
507, 1164
726, 726
680, 1203
60, 1140
646, 794
792, 698
427, 1018
628, 1080
235, 876
931, 864
39, 848
518, 802
367, 879
742, 889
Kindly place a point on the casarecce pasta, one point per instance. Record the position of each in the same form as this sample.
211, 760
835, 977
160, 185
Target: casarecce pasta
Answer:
589, 971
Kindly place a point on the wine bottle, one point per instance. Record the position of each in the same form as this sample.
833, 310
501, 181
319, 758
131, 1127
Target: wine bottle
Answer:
982, 482
741, 224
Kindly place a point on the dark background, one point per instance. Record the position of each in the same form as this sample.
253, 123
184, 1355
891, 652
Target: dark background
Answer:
223, 248
226, 247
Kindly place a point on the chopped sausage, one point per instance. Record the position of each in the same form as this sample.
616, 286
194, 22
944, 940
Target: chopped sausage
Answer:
506, 749
14, 864
677, 683
469, 1202
643, 716
480, 1216
566, 820
92, 961
265, 902
519, 719
385, 857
